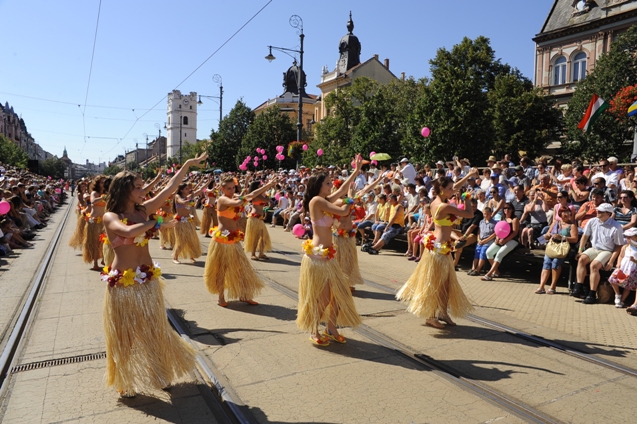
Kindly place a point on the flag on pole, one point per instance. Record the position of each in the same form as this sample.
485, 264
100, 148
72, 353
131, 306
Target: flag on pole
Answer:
632, 110
595, 108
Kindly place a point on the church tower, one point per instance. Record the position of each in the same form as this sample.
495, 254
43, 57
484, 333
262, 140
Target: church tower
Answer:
350, 49
181, 121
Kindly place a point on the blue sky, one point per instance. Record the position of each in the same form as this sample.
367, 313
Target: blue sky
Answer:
144, 49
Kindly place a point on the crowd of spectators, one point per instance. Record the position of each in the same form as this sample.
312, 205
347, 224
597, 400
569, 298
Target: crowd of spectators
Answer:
27, 201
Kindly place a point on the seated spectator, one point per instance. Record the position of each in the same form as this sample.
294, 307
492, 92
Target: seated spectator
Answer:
482, 199
533, 219
370, 216
394, 226
578, 191
468, 232
625, 276
610, 195
496, 203
382, 214
283, 204
626, 179
422, 227
589, 209
502, 247
626, 210
486, 236
607, 238
562, 229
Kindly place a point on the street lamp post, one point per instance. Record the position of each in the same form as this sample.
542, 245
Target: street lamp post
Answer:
216, 78
159, 142
180, 119
295, 22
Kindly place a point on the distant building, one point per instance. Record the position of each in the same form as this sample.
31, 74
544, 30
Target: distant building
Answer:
575, 34
181, 121
348, 68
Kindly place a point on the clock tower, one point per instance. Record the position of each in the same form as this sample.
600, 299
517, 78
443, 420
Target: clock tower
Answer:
181, 122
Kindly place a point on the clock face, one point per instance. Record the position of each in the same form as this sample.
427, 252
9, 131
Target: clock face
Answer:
185, 101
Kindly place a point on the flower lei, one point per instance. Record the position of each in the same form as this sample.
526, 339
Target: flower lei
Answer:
455, 220
104, 239
226, 236
430, 243
257, 215
129, 277
311, 250
183, 218
142, 239
92, 219
344, 233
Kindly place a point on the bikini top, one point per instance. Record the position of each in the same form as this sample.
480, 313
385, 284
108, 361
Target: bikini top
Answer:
100, 202
448, 221
326, 221
232, 212
259, 202
118, 241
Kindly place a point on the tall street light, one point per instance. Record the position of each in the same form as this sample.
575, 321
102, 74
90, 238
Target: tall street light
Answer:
216, 78
159, 142
295, 22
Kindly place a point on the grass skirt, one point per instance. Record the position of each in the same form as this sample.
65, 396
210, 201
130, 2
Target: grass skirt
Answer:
142, 350
187, 241
347, 258
256, 234
167, 237
108, 253
315, 275
77, 239
227, 267
195, 216
92, 248
432, 282
206, 220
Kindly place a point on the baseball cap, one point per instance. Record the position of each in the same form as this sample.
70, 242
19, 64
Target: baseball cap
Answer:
494, 175
605, 207
631, 231
404, 160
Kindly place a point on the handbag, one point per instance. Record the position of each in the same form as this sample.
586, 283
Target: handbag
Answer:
557, 249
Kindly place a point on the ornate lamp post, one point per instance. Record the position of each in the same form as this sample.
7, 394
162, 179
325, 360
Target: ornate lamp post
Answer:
295, 22
216, 78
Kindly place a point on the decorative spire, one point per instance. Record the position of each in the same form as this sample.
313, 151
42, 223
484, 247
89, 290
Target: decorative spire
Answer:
350, 23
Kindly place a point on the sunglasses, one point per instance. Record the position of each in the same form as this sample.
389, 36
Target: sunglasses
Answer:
624, 197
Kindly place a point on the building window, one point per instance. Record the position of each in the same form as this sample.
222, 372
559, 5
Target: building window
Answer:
185, 135
179, 106
190, 107
559, 71
579, 67
185, 120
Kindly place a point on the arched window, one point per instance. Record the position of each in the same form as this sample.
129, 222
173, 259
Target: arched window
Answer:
185, 120
559, 71
579, 66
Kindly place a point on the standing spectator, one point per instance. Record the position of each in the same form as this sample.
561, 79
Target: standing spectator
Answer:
607, 238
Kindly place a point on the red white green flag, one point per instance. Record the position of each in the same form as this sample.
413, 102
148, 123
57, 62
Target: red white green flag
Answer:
595, 108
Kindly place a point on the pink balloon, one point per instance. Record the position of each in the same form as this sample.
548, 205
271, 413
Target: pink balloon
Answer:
319, 152
305, 147
58, 191
256, 164
5, 207
265, 157
353, 164
298, 230
256, 159
279, 149
502, 229
372, 154
243, 167
374, 163
425, 132
248, 158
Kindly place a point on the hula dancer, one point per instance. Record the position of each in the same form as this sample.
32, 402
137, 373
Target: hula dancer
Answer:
209, 218
91, 246
186, 241
257, 236
80, 227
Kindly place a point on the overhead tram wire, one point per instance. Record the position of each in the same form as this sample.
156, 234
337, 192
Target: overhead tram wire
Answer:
202, 63
69, 103
90, 72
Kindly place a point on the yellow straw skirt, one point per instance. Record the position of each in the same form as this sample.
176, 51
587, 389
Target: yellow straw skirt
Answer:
108, 253
195, 216
92, 248
142, 350
256, 235
77, 239
167, 237
187, 241
316, 274
347, 258
433, 288
206, 220
228, 268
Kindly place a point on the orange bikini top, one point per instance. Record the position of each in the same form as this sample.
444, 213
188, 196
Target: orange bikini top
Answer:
100, 202
233, 212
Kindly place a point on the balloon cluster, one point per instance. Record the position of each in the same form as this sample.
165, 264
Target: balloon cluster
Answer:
279, 153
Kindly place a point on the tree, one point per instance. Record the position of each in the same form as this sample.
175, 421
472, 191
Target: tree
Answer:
523, 119
613, 71
113, 170
190, 150
268, 130
53, 167
11, 154
232, 129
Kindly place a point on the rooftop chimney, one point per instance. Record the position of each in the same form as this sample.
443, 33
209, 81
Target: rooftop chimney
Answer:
376, 56
402, 76
387, 64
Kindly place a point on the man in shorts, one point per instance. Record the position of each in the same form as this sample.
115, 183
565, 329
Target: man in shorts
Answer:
607, 238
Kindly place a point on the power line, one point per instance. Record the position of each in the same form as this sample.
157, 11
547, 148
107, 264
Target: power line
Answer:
68, 103
90, 72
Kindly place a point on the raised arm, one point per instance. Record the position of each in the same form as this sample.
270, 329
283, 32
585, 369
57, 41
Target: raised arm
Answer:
345, 186
459, 184
153, 183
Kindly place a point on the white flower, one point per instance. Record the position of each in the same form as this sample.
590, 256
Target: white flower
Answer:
156, 265
225, 233
139, 239
139, 276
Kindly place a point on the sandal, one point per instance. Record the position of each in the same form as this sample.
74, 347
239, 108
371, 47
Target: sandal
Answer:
223, 304
321, 341
254, 258
632, 310
264, 257
486, 278
540, 291
472, 272
338, 339
550, 291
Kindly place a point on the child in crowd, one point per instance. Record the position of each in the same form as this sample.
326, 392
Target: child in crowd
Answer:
625, 275
486, 236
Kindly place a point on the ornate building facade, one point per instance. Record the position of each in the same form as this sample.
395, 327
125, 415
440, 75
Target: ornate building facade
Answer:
575, 34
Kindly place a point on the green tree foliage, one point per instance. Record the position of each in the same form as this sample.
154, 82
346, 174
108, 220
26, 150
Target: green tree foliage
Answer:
268, 130
113, 170
224, 143
191, 150
11, 154
523, 119
52, 167
611, 134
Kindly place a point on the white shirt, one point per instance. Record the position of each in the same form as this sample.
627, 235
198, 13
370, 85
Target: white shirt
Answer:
409, 172
605, 235
360, 181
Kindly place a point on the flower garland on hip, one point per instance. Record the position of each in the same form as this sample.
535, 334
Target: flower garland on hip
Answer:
92, 219
430, 243
344, 233
326, 252
129, 277
181, 218
104, 239
226, 236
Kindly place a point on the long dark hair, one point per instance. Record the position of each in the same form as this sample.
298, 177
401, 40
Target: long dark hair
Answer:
119, 192
509, 206
441, 183
314, 185
629, 193
180, 188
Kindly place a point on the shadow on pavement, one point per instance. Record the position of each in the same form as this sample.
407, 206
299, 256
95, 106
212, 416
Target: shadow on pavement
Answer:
261, 417
364, 294
358, 349
281, 261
